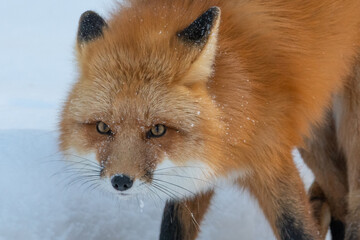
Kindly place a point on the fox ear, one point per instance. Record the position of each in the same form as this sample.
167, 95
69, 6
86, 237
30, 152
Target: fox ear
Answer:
91, 27
201, 35
198, 32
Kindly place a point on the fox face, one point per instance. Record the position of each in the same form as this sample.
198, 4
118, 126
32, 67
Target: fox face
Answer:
140, 118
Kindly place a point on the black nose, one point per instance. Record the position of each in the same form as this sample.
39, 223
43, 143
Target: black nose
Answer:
121, 182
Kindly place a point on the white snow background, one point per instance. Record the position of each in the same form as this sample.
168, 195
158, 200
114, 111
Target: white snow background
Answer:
37, 202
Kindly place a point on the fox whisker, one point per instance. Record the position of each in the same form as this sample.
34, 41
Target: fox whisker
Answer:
153, 193
168, 192
187, 177
175, 185
80, 157
79, 179
70, 169
179, 167
93, 186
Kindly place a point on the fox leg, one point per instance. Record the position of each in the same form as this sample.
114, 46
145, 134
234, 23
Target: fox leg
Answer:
281, 194
347, 112
352, 151
322, 155
181, 220
353, 217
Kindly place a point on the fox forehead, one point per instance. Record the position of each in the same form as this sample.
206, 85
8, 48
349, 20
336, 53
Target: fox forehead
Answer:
115, 93
144, 86
146, 103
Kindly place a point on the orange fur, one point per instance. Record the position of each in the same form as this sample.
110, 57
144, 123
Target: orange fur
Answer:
240, 104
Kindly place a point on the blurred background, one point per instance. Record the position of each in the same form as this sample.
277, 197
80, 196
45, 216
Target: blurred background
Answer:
36, 58
38, 201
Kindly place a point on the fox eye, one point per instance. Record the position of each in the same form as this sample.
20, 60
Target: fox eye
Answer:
103, 128
157, 131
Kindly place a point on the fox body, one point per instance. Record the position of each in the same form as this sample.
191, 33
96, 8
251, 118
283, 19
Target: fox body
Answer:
175, 95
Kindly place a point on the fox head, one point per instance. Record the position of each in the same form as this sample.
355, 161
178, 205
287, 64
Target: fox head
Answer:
141, 116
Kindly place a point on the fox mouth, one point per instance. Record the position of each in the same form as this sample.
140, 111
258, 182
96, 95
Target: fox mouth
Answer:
124, 194
127, 196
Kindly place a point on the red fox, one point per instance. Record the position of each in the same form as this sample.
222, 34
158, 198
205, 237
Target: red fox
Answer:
173, 96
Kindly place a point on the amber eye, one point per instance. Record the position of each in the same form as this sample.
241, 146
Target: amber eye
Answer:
103, 128
158, 130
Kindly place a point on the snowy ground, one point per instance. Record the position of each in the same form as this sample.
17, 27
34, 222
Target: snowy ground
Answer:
36, 200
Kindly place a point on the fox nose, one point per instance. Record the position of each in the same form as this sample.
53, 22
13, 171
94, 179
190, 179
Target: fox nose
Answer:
121, 182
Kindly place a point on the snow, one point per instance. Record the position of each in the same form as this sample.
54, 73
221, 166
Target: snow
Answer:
38, 199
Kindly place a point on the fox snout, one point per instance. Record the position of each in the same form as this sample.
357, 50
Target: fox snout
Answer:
121, 182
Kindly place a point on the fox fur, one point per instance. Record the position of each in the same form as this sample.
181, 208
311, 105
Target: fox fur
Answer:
235, 103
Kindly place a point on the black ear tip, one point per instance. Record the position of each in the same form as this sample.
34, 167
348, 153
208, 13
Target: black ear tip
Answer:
91, 26
215, 11
198, 31
88, 13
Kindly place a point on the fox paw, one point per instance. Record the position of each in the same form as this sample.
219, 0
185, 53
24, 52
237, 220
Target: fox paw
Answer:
320, 208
